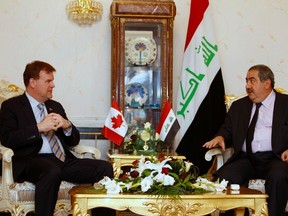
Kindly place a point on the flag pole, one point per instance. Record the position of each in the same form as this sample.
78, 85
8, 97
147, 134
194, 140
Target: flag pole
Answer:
112, 147
166, 144
111, 143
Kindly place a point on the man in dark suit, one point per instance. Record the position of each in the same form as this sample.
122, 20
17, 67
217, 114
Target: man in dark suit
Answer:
268, 157
29, 130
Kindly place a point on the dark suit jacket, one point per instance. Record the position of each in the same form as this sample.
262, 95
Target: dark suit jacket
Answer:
18, 130
237, 120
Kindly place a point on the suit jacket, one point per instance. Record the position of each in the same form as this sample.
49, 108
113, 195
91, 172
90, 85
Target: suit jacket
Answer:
237, 120
18, 130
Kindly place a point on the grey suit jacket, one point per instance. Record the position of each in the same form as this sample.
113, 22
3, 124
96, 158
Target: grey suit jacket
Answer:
237, 120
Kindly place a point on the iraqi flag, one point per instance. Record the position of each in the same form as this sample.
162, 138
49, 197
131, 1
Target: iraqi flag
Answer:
115, 127
200, 106
168, 125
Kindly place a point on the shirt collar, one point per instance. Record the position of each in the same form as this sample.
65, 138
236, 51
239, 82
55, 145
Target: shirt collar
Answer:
269, 99
34, 103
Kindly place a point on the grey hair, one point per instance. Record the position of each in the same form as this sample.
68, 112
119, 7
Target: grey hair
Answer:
264, 74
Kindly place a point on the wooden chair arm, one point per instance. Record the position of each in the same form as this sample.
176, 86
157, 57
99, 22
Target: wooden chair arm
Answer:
82, 150
220, 157
217, 152
7, 172
212, 152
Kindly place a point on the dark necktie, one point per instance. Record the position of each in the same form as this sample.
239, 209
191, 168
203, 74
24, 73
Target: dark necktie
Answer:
55, 147
250, 132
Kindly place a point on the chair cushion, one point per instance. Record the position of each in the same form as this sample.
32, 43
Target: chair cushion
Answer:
25, 192
257, 184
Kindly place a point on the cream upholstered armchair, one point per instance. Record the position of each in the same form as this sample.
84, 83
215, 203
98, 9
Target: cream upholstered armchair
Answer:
221, 157
18, 198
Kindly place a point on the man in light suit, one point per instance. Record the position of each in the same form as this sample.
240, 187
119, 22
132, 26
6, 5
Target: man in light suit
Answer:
25, 128
269, 157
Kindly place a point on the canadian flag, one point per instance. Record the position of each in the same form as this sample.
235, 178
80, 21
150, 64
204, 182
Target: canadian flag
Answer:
115, 127
168, 125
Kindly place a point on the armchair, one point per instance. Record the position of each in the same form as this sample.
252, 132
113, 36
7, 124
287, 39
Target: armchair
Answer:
18, 198
221, 157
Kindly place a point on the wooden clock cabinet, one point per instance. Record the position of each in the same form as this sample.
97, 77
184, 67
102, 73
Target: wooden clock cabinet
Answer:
142, 58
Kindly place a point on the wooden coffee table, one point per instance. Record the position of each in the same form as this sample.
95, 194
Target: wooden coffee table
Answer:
84, 198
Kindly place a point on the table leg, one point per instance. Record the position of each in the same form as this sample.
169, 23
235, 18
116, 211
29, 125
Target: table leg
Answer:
79, 207
261, 207
116, 164
239, 211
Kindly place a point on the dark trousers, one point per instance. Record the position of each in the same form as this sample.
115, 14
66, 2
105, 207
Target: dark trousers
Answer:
265, 166
47, 172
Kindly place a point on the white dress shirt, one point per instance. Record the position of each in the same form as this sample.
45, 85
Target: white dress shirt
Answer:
263, 130
46, 146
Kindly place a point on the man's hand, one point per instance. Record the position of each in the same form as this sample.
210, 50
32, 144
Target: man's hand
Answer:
218, 141
60, 122
284, 156
53, 121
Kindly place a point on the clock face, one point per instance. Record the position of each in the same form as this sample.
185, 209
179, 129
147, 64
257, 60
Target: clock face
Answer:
140, 50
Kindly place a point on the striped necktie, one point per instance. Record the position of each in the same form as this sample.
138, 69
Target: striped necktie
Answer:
41, 108
54, 145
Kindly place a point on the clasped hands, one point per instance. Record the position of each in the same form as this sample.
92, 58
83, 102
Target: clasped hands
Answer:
52, 121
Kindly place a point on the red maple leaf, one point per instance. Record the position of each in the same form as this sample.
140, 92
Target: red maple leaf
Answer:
117, 121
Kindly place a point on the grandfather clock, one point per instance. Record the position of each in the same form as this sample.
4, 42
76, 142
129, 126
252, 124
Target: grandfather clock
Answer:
142, 58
